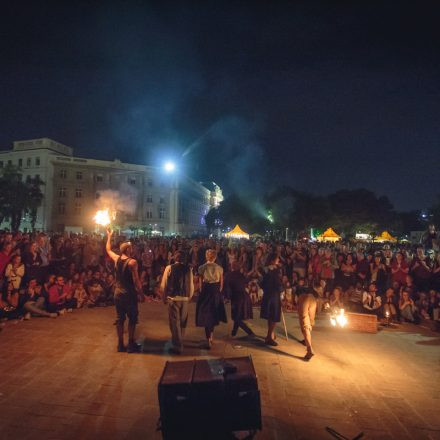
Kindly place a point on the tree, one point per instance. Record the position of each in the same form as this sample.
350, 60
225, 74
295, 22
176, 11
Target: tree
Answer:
35, 197
17, 197
360, 210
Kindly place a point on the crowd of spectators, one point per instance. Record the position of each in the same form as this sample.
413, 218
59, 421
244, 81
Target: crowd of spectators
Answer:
49, 275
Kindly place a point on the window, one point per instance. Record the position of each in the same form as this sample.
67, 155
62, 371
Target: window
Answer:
37, 161
131, 180
79, 175
161, 212
99, 178
77, 208
149, 213
37, 176
78, 193
161, 199
149, 198
63, 174
1, 164
61, 208
20, 162
9, 162
150, 182
28, 162
62, 192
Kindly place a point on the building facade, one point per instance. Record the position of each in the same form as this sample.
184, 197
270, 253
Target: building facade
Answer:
144, 198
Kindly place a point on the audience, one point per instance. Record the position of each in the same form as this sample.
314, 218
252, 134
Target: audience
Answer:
47, 275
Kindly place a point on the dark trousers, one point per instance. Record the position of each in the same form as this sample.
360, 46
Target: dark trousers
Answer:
243, 326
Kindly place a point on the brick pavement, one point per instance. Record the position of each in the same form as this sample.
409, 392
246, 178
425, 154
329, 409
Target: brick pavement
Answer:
62, 379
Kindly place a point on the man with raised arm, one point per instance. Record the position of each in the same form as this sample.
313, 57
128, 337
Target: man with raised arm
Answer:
127, 289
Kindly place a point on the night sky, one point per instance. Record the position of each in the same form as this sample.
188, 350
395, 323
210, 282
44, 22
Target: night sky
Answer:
317, 95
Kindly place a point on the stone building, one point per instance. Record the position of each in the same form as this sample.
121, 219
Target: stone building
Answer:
146, 198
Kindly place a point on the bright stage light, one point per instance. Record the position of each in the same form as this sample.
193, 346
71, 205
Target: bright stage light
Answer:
169, 167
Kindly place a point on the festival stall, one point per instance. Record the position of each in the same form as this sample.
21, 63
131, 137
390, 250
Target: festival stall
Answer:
237, 232
329, 235
384, 237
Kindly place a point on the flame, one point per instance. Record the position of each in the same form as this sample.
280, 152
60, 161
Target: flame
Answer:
339, 319
387, 314
102, 217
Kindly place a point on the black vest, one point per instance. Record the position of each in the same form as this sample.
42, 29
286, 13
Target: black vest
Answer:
124, 278
176, 280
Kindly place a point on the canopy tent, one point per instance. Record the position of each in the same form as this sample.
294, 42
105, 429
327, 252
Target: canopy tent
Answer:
237, 232
385, 236
328, 235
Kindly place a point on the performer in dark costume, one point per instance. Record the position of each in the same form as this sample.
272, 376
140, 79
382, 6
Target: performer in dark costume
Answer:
177, 289
127, 289
271, 303
210, 309
241, 304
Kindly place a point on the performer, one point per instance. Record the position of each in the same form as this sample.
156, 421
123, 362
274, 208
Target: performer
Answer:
210, 309
177, 289
271, 303
241, 304
127, 289
306, 316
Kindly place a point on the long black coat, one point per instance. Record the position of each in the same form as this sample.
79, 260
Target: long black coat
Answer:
241, 304
272, 287
210, 308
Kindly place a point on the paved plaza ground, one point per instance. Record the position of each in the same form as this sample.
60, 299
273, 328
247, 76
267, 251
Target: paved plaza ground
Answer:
62, 379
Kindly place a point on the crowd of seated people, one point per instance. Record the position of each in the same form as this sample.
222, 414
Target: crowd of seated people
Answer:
47, 275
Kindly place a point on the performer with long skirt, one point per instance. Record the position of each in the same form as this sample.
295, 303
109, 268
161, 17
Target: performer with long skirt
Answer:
241, 304
271, 303
210, 309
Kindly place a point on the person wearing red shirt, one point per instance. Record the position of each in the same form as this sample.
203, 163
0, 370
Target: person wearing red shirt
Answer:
399, 269
60, 297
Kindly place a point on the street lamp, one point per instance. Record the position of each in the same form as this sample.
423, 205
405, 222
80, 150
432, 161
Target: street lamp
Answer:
169, 166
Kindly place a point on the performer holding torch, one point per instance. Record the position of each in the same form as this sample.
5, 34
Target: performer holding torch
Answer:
127, 289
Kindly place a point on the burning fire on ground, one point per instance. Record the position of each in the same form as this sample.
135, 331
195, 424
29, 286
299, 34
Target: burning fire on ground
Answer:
339, 319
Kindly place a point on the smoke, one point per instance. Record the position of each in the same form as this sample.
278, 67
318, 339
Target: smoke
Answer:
229, 149
124, 200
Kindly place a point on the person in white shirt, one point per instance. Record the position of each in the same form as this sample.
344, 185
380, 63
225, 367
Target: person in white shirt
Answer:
177, 288
371, 302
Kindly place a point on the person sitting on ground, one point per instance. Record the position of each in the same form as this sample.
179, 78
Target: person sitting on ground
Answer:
15, 271
109, 288
336, 299
57, 301
80, 294
371, 302
9, 302
389, 308
355, 298
422, 305
408, 310
34, 302
95, 290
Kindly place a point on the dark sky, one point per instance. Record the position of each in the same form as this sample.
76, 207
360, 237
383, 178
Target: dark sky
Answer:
318, 95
